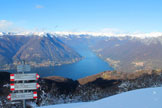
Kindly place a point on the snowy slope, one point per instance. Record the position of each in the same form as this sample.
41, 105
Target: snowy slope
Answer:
143, 98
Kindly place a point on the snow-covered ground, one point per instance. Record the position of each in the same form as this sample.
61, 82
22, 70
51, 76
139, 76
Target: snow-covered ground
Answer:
143, 98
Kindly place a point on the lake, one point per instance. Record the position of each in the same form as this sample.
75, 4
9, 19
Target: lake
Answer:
90, 65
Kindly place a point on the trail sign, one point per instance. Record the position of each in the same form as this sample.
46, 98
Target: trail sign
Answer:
21, 96
20, 89
23, 77
24, 86
23, 68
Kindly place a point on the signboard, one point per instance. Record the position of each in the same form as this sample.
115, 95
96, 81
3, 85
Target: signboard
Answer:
21, 89
23, 68
24, 86
23, 77
21, 96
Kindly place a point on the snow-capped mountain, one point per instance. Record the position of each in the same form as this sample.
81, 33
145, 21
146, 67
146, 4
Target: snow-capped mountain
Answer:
136, 51
127, 53
36, 49
96, 34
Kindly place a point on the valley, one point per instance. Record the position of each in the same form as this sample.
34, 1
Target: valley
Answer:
58, 53
124, 54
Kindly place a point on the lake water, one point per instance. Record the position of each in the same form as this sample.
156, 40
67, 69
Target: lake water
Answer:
90, 65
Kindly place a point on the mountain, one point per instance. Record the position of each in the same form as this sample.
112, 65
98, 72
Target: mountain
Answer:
131, 54
124, 54
144, 98
38, 51
9, 45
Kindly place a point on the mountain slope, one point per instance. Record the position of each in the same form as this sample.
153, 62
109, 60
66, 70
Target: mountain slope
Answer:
36, 50
127, 53
143, 98
131, 54
59, 90
9, 45
46, 49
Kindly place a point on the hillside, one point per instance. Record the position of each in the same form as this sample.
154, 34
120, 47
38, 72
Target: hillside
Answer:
143, 98
38, 51
130, 54
124, 54
59, 90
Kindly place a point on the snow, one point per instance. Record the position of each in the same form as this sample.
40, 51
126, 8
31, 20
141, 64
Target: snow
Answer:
143, 98
66, 34
1, 33
138, 35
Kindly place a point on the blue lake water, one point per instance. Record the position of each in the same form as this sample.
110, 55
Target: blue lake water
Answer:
90, 65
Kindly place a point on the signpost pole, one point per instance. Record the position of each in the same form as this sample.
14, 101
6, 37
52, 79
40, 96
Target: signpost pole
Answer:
24, 103
24, 106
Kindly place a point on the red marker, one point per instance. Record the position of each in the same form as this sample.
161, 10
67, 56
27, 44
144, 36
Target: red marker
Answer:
35, 95
12, 87
37, 76
38, 85
9, 97
12, 77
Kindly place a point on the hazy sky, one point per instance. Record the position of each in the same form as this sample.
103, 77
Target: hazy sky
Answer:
81, 15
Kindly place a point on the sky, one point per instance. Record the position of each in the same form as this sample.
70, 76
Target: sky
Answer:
81, 15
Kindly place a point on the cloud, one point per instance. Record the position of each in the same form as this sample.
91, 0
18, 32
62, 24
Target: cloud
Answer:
5, 24
8, 26
39, 6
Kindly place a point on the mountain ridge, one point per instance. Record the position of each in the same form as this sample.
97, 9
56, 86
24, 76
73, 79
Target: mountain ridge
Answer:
38, 51
125, 54
94, 34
